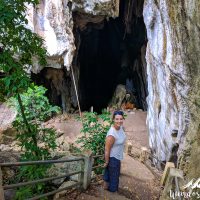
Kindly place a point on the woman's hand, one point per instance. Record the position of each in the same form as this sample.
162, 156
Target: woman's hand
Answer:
105, 165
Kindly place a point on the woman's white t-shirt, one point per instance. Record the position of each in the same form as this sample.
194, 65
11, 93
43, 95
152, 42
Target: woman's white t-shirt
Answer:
118, 146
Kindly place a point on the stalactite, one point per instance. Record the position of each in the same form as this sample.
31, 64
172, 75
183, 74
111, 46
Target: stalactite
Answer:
128, 15
133, 9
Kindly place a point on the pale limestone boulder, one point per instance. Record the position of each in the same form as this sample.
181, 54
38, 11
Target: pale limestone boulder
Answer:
119, 96
7, 116
109, 8
62, 143
59, 169
61, 194
52, 20
9, 172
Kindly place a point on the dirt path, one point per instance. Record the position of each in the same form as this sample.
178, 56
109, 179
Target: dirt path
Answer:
136, 129
68, 125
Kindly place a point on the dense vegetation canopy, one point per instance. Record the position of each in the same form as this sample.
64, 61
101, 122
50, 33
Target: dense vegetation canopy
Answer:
18, 46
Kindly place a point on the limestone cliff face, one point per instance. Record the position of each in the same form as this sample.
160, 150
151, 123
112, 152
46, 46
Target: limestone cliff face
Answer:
173, 68
52, 20
109, 8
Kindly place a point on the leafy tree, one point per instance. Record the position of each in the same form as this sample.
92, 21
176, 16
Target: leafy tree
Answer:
18, 47
37, 110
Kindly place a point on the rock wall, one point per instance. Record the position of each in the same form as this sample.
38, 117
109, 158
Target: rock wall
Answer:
173, 68
109, 8
52, 20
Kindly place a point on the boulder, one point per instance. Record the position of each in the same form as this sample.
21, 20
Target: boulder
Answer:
119, 96
63, 144
9, 172
63, 193
60, 169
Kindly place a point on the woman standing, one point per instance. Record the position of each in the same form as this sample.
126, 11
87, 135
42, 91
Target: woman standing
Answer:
115, 140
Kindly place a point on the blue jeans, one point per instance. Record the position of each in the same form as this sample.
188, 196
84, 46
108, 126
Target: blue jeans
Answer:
111, 174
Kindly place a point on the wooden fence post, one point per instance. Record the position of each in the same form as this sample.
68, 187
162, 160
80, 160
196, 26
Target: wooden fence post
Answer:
166, 171
172, 173
1, 186
88, 162
92, 109
144, 155
129, 149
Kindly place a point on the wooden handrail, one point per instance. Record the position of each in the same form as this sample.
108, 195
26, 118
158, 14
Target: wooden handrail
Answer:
84, 178
6, 187
38, 162
171, 173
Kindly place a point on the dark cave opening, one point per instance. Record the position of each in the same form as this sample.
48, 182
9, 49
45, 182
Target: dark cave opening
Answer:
99, 57
112, 53
60, 88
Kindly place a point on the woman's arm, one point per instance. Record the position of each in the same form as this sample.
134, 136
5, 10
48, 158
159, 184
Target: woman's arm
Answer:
109, 143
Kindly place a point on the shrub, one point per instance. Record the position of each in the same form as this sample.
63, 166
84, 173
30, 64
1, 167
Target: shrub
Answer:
95, 128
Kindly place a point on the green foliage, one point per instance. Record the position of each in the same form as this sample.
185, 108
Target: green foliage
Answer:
18, 45
37, 141
94, 132
36, 104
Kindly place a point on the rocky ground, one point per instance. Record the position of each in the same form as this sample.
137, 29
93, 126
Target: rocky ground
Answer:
67, 128
136, 180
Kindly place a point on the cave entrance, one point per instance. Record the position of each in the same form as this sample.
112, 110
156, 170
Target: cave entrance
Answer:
109, 53
112, 52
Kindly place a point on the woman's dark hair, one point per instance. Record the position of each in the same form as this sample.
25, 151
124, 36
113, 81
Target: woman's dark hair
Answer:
118, 112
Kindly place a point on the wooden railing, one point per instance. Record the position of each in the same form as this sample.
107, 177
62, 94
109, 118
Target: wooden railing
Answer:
83, 182
171, 178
